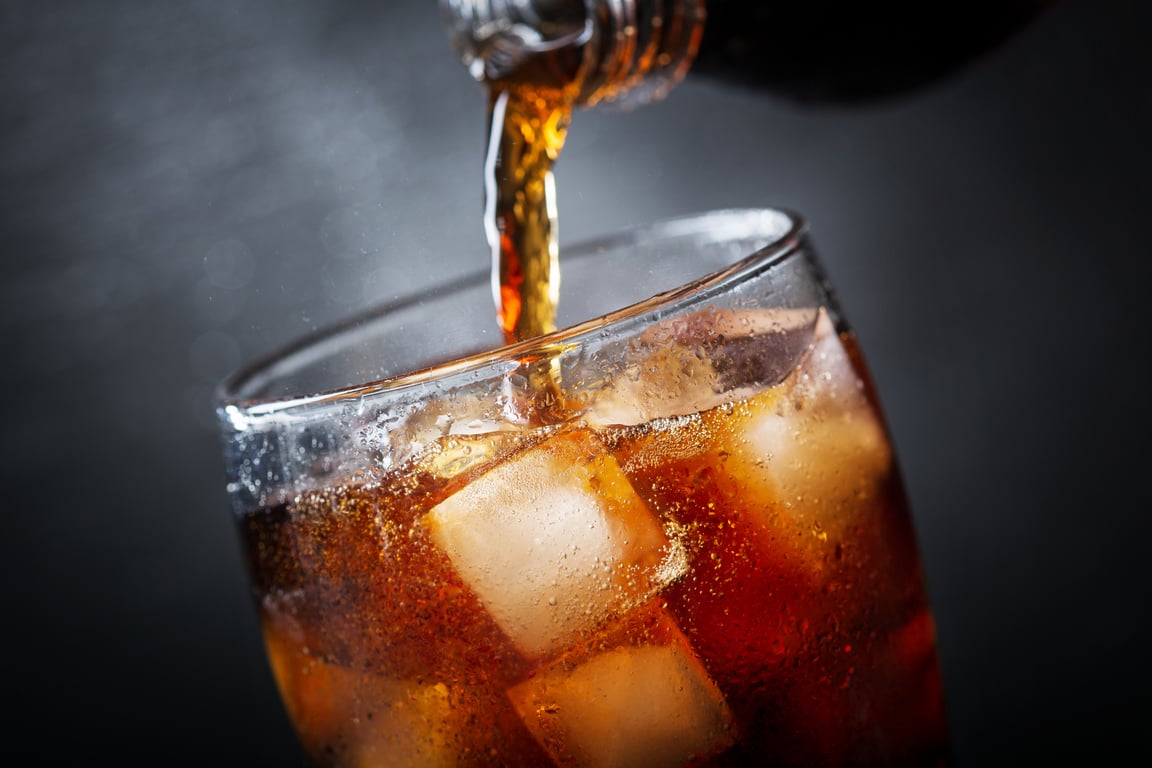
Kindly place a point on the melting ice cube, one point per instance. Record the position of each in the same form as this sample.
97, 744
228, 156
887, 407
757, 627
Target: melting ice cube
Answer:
651, 706
457, 456
554, 540
361, 719
814, 445
685, 365
403, 433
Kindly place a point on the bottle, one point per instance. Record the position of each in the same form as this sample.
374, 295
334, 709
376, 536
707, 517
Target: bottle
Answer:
541, 59
816, 51
635, 51
594, 51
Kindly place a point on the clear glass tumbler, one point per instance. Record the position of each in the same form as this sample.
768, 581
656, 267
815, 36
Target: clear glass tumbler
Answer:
672, 533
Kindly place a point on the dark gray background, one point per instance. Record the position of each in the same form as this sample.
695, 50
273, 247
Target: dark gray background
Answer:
186, 185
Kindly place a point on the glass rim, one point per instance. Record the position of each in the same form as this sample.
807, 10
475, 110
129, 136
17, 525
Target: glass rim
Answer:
722, 224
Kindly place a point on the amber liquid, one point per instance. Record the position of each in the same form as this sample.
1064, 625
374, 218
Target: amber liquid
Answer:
527, 127
846, 54
527, 132
757, 598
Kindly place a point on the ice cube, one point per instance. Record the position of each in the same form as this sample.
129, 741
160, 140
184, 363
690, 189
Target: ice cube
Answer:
670, 381
646, 706
554, 540
357, 718
403, 433
458, 456
814, 446
688, 364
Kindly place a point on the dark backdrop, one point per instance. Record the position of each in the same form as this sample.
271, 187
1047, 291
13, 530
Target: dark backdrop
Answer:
186, 185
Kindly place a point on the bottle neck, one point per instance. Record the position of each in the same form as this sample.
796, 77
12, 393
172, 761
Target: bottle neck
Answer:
626, 52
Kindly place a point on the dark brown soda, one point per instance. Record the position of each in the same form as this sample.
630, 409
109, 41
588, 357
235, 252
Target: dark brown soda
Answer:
528, 126
807, 613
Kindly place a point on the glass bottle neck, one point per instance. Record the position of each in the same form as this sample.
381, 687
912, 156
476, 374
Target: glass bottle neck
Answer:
622, 51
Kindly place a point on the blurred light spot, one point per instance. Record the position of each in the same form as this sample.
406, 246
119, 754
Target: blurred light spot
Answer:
352, 155
201, 405
229, 264
215, 305
89, 285
225, 144
353, 232
346, 292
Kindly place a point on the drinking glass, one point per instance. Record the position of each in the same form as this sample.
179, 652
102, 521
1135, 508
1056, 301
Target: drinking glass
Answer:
671, 533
